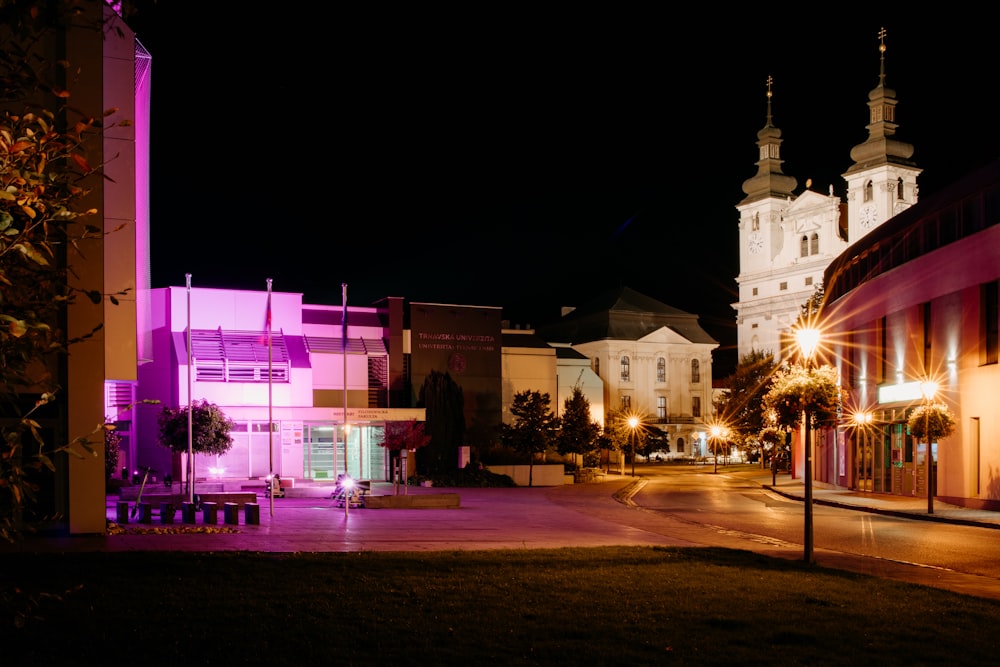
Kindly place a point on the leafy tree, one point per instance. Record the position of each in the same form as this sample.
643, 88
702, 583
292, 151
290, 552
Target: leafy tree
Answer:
578, 433
653, 440
534, 428
409, 435
111, 443
741, 406
773, 439
621, 437
444, 403
210, 428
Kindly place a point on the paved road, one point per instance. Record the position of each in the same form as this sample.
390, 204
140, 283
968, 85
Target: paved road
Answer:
580, 515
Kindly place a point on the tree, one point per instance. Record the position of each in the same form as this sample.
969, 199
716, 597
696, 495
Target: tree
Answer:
621, 437
405, 435
534, 428
741, 405
578, 433
444, 403
210, 429
111, 443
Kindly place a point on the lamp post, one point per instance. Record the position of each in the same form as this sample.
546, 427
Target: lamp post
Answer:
864, 422
717, 432
808, 341
929, 389
633, 423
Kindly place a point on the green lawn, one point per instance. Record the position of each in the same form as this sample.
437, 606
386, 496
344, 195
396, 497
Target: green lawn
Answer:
574, 606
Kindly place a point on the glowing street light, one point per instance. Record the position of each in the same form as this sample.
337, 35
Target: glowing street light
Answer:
863, 421
929, 389
633, 424
716, 432
808, 340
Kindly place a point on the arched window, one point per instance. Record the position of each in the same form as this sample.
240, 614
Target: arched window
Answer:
869, 192
755, 225
695, 371
814, 246
804, 246
661, 370
625, 370
899, 189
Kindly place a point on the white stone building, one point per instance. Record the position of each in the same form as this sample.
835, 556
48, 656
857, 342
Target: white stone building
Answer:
787, 240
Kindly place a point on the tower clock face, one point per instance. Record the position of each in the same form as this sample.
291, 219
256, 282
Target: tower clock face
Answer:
755, 243
868, 216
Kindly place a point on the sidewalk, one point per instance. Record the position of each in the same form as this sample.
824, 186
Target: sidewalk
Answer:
584, 515
911, 507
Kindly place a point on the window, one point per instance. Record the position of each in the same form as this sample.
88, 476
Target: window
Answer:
597, 366
661, 407
899, 189
680, 445
804, 246
695, 371
814, 244
809, 280
626, 403
661, 370
989, 319
869, 192
782, 286
625, 370
696, 406
755, 225
755, 291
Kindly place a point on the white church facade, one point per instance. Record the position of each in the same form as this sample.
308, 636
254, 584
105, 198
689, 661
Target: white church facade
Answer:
787, 239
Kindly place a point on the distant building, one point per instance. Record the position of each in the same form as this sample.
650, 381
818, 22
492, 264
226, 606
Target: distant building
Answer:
654, 360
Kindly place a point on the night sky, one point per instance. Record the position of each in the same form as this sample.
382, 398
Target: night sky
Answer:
524, 160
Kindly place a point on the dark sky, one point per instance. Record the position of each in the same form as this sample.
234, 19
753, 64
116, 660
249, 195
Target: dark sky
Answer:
522, 160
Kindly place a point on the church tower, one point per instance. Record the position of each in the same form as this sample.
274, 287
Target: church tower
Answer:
882, 181
786, 242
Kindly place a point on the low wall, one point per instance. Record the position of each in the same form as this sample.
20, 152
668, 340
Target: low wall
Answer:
414, 501
544, 474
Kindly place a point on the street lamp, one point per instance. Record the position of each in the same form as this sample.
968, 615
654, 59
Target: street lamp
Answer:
717, 432
633, 423
808, 340
863, 420
929, 389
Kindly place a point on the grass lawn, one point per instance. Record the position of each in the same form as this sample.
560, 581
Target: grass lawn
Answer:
574, 606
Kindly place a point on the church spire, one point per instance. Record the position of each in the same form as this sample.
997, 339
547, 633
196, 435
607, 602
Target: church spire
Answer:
769, 181
881, 147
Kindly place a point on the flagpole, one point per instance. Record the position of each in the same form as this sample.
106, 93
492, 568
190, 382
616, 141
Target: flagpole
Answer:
270, 401
343, 350
190, 461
